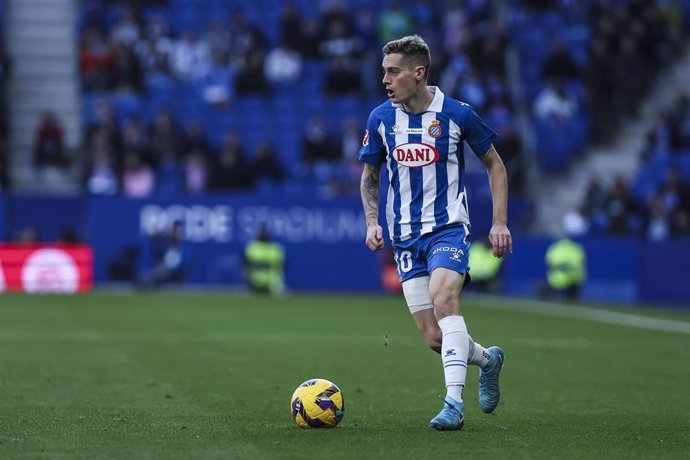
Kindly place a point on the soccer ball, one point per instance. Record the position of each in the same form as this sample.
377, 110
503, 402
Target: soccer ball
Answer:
317, 403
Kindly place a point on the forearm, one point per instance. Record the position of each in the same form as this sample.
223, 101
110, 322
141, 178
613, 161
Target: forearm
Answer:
370, 191
498, 181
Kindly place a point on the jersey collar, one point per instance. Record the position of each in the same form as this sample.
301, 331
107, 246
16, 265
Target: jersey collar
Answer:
436, 103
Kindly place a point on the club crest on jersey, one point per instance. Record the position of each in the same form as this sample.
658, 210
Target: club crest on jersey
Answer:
365, 141
435, 129
415, 154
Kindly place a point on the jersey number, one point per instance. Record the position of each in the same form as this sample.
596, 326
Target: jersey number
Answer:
404, 261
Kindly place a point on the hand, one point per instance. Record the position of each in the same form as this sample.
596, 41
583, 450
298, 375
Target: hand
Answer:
501, 241
374, 237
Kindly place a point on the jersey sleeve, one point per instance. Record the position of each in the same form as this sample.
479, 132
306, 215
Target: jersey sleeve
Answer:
477, 134
373, 151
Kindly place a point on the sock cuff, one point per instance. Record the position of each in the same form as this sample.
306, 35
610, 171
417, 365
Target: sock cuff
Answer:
452, 323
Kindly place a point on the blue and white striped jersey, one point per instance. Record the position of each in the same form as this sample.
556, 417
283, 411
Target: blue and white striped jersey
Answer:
425, 162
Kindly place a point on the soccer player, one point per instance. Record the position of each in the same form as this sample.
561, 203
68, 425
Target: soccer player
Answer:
418, 133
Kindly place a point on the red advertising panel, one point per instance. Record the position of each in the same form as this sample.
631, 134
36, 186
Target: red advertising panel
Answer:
41, 268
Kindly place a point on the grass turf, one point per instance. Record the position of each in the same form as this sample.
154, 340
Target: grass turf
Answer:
172, 375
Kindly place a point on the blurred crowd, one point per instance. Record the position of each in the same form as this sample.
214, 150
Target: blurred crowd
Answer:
4, 127
586, 66
656, 204
235, 57
181, 99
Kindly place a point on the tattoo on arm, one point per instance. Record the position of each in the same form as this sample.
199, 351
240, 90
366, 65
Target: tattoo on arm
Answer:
369, 188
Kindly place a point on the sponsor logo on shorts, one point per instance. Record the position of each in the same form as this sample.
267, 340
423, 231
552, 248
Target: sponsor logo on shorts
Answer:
456, 257
457, 251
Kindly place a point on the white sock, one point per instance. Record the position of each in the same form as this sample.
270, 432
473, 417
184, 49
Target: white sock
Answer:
478, 354
454, 351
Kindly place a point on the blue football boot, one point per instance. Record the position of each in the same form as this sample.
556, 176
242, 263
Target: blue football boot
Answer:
489, 392
450, 417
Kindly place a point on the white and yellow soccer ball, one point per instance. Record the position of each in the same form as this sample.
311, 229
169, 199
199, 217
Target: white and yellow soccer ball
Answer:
317, 403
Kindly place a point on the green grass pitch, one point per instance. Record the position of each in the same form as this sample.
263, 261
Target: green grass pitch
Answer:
177, 375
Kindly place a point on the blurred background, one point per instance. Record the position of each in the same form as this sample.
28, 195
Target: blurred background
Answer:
150, 142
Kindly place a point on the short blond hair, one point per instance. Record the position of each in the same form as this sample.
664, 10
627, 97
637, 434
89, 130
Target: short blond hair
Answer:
413, 48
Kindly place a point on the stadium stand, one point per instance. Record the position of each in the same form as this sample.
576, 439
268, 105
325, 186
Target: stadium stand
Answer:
204, 61
188, 88
4, 73
586, 66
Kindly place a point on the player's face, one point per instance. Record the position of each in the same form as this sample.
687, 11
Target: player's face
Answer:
399, 78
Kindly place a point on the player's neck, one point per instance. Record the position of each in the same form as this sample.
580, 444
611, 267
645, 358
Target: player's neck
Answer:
420, 102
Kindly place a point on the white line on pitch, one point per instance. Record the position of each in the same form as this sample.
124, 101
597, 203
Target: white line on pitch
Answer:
541, 307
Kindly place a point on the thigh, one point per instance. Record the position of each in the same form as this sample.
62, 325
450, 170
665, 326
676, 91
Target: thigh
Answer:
450, 249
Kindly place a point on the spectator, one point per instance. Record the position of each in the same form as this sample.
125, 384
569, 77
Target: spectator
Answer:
126, 31
196, 172
250, 68
193, 138
164, 137
338, 33
659, 226
231, 171
154, 55
559, 63
101, 176
95, 61
170, 256
283, 65
245, 36
291, 31
266, 166
342, 78
138, 179
576, 222
219, 39
619, 208
48, 144
127, 74
217, 83
555, 103
190, 56
134, 137
317, 145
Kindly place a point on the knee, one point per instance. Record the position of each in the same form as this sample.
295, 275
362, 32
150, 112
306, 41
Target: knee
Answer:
445, 301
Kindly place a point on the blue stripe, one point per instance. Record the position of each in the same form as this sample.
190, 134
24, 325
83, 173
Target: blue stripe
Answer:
388, 123
416, 181
461, 161
456, 361
442, 143
453, 365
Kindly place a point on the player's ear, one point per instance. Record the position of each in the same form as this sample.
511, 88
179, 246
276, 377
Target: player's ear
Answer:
419, 74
